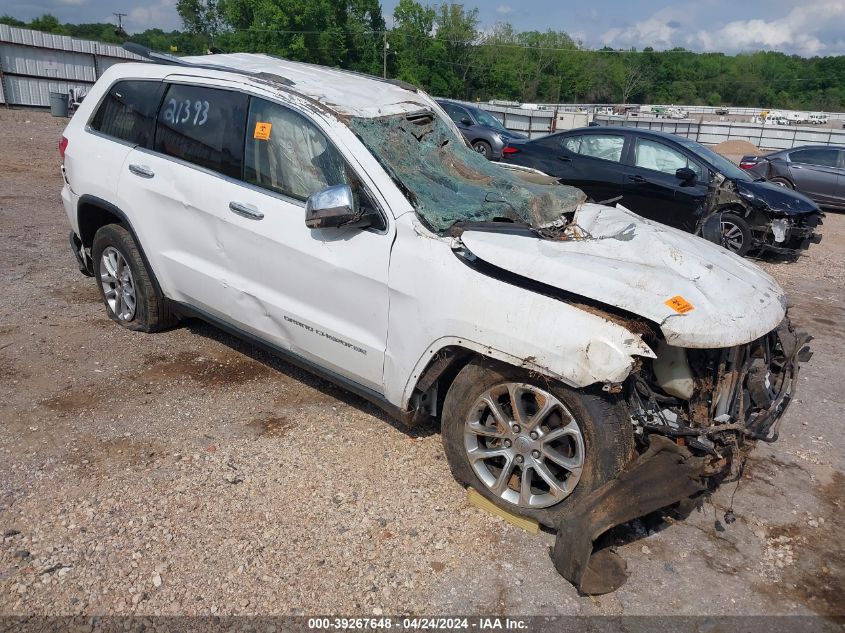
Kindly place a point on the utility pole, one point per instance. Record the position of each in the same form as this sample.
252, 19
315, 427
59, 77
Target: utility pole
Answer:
384, 56
119, 30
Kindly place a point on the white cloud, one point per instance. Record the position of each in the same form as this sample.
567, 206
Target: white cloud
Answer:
815, 27
658, 31
161, 14
503, 9
71, 3
801, 31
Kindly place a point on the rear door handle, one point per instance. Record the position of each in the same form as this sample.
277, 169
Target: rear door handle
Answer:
565, 159
142, 170
246, 210
636, 179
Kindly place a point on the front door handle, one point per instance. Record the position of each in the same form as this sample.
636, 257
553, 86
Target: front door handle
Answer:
636, 179
142, 170
246, 210
565, 159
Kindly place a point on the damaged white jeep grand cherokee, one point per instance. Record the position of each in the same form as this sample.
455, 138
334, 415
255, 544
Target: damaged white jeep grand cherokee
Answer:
340, 221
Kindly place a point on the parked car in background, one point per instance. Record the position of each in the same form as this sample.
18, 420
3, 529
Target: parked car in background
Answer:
675, 181
818, 171
722, 110
798, 118
485, 134
817, 118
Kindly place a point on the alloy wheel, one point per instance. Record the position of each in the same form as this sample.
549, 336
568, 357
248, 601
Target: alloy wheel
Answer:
118, 284
524, 445
732, 238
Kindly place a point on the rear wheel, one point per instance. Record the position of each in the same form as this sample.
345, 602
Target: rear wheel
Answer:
533, 447
483, 148
781, 182
130, 297
736, 234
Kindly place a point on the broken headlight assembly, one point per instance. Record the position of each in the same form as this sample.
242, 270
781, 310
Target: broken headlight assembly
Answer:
780, 227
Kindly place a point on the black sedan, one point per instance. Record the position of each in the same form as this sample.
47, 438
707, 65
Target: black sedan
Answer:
675, 181
818, 171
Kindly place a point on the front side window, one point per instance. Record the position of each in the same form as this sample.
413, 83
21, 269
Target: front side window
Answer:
204, 126
288, 154
128, 111
659, 157
455, 113
822, 157
603, 146
485, 118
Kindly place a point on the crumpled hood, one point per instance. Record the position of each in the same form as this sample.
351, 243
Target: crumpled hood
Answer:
778, 199
620, 259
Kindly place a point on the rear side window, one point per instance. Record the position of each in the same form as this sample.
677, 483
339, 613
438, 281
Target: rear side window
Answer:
128, 111
204, 126
286, 153
603, 146
823, 157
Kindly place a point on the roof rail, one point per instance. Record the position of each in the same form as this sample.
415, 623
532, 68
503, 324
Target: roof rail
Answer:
173, 60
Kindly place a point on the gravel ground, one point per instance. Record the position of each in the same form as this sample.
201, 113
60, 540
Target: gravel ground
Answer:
185, 472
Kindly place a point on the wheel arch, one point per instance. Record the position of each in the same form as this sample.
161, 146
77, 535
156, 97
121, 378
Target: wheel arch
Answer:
435, 370
93, 213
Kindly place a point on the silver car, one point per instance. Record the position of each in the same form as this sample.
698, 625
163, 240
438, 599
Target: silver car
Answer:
485, 134
817, 171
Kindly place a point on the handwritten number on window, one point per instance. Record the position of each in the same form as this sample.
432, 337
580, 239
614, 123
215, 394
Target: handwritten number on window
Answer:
180, 113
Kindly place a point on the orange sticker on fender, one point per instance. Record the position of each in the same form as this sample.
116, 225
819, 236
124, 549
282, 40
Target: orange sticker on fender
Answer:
262, 131
680, 305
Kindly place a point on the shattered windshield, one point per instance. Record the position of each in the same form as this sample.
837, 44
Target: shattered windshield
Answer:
447, 182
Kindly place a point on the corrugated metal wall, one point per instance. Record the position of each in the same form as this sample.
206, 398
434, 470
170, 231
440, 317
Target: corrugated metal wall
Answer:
34, 64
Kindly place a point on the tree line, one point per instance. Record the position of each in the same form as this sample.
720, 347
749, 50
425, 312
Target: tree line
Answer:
442, 49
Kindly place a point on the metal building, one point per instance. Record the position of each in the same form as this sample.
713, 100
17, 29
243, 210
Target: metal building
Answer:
34, 64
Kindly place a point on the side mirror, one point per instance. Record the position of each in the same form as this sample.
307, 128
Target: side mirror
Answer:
466, 120
685, 175
331, 208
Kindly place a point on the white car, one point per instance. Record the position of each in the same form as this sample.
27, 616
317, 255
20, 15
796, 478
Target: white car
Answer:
340, 221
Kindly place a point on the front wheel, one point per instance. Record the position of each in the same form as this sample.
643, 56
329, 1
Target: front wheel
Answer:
736, 234
532, 447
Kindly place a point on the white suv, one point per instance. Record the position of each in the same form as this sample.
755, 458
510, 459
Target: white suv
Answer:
340, 221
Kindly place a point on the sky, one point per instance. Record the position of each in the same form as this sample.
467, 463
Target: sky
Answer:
808, 27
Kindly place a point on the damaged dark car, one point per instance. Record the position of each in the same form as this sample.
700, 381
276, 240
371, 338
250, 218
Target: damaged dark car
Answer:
677, 182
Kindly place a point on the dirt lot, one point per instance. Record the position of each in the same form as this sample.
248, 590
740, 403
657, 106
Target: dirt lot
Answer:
184, 472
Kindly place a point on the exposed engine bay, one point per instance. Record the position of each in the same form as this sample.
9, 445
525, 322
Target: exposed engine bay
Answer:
713, 401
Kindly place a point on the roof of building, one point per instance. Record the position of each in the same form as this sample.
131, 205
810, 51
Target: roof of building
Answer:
28, 37
344, 92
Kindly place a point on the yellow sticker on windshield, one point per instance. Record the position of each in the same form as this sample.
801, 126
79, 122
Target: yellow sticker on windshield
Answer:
679, 304
262, 131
